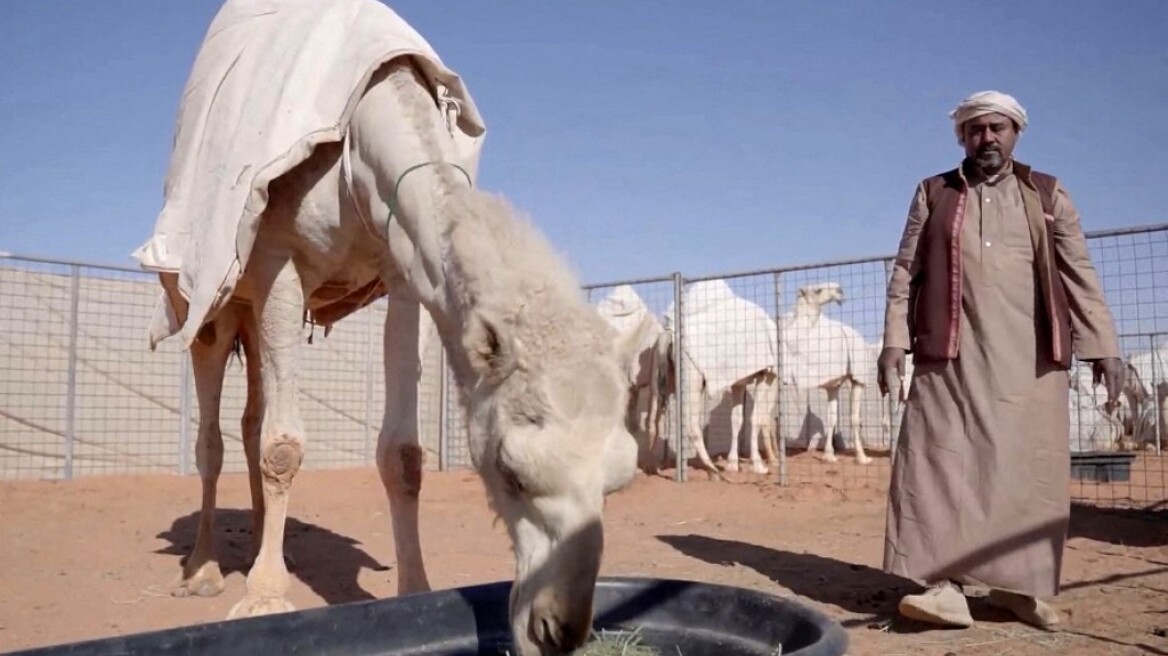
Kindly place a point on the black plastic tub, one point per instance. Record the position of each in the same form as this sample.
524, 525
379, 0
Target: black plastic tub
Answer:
1102, 466
695, 619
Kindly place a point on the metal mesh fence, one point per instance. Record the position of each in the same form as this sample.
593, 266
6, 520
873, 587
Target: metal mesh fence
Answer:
1121, 463
81, 393
124, 396
36, 424
780, 353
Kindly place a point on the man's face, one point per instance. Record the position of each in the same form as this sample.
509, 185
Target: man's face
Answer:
989, 141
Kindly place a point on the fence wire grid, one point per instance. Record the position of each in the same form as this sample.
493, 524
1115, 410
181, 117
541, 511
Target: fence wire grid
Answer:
784, 358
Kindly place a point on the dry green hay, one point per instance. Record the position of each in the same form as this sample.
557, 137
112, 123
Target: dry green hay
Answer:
615, 643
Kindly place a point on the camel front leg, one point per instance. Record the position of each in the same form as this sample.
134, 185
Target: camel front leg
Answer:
755, 407
209, 353
279, 309
857, 422
399, 454
832, 415
737, 407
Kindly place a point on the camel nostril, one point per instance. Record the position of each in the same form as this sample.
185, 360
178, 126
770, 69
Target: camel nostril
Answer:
547, 631
555, 635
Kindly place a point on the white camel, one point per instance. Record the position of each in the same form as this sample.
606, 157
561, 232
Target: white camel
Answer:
1093, 424
538, 370
821, 352
1145, 393
895, 401
628, 314
729, 347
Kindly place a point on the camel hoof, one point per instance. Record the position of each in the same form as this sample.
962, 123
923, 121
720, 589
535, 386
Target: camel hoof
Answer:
731, 466
760, 469
829, 457
208, 582
863, 460
255, 607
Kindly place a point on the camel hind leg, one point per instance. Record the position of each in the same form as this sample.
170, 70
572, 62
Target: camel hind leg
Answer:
762, 422
744, 418
209, 354
694, 387
662, 382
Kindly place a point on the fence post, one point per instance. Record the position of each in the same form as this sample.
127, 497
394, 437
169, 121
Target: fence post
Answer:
370, 329
1155, 357
678, 369
780, 438
71, 384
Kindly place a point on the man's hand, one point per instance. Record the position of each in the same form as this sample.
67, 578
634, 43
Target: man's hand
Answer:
1110, 370
890, 364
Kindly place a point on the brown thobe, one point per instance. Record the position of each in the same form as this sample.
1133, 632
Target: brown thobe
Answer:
980, 489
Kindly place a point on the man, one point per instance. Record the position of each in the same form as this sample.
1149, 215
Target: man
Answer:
992, 291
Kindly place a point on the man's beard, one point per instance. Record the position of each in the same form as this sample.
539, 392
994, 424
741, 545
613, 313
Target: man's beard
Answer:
989, 159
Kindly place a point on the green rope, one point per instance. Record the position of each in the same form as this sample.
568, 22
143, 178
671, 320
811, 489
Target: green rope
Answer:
397, 185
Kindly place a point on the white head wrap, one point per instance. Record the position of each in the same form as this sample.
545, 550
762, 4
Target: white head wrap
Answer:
987, 102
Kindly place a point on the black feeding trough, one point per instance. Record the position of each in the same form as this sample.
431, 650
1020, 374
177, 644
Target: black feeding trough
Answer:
1102, 466
674, 616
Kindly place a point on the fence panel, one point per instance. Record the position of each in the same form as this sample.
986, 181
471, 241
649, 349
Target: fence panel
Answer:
1122, 465
127, 398
37, 302
81, 393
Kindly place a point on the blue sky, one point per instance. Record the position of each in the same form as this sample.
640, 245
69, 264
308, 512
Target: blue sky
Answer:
644, 137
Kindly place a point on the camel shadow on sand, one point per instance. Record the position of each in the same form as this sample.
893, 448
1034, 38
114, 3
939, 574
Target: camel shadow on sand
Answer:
327, 562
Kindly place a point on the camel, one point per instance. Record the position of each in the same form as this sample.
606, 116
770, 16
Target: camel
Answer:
820, 352
718, 361
392, 209
627, 313
1146, 403
1091, 420
898, 390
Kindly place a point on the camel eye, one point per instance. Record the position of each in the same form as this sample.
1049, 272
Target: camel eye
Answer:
529, 418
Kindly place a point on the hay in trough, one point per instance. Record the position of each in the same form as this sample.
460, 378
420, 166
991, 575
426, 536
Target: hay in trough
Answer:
615, 643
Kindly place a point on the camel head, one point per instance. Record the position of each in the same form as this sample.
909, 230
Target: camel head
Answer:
1133, 384
547, 420
820, 294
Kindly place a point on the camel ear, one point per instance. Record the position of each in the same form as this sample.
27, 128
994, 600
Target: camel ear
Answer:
492, 350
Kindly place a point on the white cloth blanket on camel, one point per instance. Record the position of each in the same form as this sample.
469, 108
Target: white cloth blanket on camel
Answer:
726, 336
272, 80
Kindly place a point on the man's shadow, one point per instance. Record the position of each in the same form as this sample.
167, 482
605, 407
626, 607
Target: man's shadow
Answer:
325, 561
858, 589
